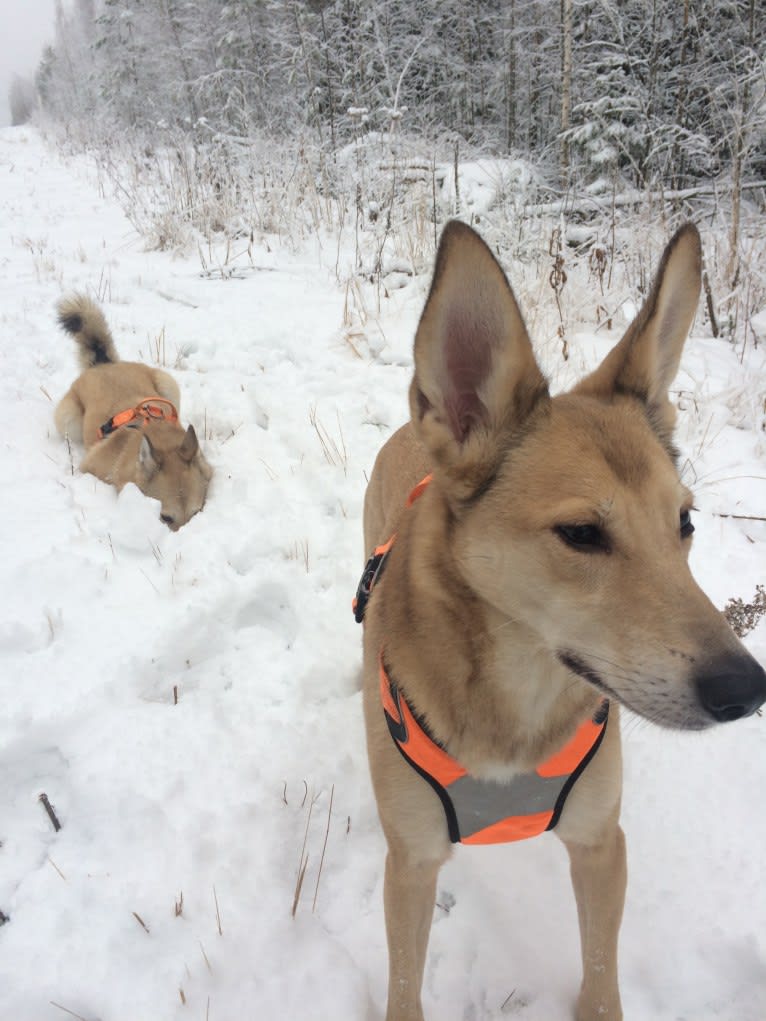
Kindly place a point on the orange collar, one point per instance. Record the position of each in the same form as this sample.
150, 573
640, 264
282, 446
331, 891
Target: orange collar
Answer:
150, 409
374, 566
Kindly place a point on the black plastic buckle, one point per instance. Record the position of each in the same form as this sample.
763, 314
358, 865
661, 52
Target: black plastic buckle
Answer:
372, 571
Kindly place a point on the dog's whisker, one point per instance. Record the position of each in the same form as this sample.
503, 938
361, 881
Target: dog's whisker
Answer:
503, 624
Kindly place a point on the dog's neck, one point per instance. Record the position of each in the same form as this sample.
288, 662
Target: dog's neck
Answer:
445, 645
123, 446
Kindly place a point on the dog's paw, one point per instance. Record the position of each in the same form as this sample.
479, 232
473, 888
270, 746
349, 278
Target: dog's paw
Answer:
594, 1009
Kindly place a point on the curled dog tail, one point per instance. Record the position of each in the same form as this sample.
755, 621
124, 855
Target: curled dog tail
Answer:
81, 317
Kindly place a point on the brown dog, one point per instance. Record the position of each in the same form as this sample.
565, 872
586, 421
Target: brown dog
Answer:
126, 415
542, 571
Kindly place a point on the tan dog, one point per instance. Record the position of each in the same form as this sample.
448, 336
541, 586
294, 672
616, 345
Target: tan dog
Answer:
126, 415
543, 569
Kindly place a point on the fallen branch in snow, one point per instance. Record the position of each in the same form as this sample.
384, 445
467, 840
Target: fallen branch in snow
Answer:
140, 921
740, 517
173, 297
507, 1000
606, 201
43, 799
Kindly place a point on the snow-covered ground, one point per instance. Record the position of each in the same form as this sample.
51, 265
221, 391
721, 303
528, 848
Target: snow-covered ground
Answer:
189, 702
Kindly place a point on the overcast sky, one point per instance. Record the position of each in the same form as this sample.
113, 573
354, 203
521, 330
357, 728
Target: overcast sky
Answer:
25, 27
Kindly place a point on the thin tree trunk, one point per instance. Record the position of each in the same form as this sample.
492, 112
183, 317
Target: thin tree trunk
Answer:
170, 16
676, 165
328, 73
566, 87
510, 123
738, 158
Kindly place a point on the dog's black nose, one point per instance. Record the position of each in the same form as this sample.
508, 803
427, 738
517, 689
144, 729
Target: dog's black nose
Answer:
732, 688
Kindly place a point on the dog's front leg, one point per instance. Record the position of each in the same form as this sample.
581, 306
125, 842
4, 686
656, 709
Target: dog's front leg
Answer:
599, 875
409, 896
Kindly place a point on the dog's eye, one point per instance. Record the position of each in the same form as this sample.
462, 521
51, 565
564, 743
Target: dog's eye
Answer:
585, 538
686, 525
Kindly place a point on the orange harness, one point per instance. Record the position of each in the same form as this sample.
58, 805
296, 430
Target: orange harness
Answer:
147, 410
480, 811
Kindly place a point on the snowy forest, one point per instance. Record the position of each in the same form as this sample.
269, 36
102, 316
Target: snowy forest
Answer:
234, 116
661, 92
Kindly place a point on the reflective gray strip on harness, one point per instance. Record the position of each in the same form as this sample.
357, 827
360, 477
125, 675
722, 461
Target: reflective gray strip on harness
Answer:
482, 803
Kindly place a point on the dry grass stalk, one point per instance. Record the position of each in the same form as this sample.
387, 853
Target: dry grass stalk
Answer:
300, 551
66, 1010
207, 962
269, 470
53, 863
158, 348
304, 859
333, 454
217, 912
324, 848
742, 616
149, 580
299, 886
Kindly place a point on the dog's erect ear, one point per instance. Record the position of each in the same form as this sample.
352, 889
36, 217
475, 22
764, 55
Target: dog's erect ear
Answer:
190, 445
476, 379
646, 360
148, 458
